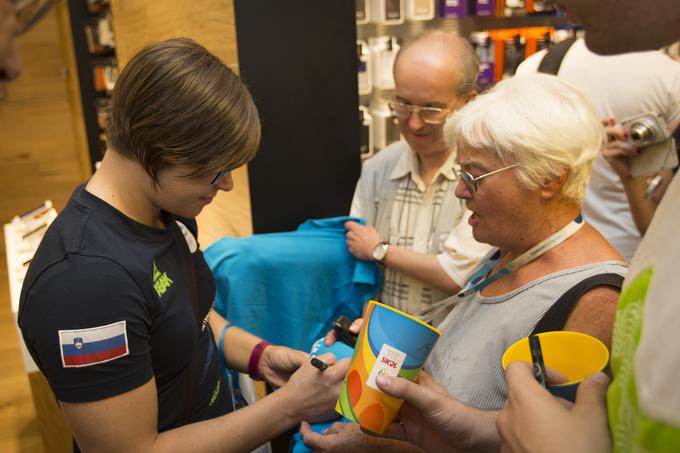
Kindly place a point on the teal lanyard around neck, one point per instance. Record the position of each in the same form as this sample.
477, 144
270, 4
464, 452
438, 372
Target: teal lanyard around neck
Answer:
482, 277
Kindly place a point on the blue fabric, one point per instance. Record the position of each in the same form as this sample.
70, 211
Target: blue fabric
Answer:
289, 287
341, 351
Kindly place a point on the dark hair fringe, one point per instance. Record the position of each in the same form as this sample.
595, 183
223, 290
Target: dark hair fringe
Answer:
175, 103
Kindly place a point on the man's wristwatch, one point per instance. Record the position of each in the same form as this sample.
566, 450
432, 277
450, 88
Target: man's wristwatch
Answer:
380, 251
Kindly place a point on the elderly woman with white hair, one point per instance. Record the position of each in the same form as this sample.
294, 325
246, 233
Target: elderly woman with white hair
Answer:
524, 151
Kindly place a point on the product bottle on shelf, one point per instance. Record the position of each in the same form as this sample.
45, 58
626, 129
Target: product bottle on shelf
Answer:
514, 8
385, 128
453, 9
420, 10
383, 50
514, 55
366, 133
484, 48
388, 12
365, 64
362, 11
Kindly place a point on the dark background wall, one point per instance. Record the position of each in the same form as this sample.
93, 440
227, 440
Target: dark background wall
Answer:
298, 57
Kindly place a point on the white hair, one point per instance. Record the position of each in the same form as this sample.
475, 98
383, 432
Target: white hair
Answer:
538, 121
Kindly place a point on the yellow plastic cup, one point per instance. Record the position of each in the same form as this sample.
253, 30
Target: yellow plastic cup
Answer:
392, 343
574, 354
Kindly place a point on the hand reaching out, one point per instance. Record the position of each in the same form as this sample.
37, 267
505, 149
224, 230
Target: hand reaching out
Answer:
355, 327
533, 420
433, 420
619, 149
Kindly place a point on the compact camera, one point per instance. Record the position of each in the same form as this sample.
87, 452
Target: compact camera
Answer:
649, 132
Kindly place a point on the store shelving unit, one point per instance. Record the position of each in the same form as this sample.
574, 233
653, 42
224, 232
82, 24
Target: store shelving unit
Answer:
464, 26
94, 46
383, 129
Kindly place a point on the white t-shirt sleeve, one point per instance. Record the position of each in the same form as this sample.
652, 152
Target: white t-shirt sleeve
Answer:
673, 116
530, 65
462, 253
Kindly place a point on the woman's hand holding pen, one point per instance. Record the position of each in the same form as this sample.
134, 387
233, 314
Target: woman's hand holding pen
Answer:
278, 363
312, 393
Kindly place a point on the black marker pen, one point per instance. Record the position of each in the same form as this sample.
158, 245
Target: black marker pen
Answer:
319, 364
537, 360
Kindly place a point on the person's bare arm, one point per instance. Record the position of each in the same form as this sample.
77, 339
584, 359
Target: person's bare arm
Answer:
618, 151
362, 239
128, 422
420, 266
276, 364
594, 314
641, 208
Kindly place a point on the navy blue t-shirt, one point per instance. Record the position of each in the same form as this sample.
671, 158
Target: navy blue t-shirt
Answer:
105, 307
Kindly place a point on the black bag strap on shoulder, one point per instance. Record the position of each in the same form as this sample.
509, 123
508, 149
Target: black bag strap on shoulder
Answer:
556, 316
190, 272
552, 60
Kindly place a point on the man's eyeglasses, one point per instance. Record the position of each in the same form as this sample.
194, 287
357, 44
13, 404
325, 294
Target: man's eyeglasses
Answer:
218, 177
430, 115
471, 181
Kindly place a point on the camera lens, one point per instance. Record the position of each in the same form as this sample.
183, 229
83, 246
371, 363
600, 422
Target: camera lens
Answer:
641, 132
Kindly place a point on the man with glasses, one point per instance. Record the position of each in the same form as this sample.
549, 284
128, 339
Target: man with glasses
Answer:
416, 227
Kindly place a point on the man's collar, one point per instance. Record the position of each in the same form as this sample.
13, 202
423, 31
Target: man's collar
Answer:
408, 163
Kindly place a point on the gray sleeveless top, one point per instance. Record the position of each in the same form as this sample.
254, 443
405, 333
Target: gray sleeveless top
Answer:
467, 358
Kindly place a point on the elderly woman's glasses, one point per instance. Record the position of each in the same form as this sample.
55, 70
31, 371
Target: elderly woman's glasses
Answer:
471, 181
430, 115
218, 177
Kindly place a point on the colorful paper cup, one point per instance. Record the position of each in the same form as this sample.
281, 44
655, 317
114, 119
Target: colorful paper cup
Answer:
392, 343
574, 354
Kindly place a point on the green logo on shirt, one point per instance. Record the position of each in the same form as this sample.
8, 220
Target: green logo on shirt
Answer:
161, 281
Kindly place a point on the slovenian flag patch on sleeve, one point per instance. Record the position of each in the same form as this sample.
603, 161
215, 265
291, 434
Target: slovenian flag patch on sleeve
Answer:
84, 347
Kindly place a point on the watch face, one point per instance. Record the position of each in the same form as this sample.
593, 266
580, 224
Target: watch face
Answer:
380, 251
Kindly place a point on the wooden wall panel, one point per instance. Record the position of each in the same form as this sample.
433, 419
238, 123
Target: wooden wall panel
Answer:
40, 158
211, 23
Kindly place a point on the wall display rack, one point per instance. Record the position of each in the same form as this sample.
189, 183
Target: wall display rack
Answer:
502, 32
95, 50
